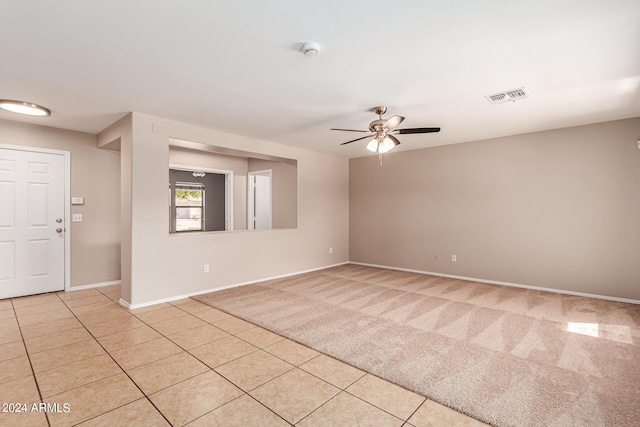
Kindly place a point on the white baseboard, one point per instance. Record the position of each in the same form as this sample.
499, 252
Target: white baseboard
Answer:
495, 282
92, 285
235, 285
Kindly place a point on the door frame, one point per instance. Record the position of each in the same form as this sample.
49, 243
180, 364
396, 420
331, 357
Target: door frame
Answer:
251, 200
67, 201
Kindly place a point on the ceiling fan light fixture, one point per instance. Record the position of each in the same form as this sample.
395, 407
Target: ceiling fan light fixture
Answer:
373, 145
386, 145
22, 107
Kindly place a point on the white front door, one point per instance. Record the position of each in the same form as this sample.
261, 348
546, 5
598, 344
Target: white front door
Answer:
32, 228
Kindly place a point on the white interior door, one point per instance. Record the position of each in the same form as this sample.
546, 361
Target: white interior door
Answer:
32, 229
260, 200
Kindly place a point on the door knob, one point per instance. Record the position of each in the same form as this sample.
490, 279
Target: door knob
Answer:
58, 230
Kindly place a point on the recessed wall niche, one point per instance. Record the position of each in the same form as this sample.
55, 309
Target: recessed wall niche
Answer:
229, 182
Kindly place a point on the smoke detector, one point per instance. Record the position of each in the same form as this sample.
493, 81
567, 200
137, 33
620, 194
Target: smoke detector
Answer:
512, 95
310, 49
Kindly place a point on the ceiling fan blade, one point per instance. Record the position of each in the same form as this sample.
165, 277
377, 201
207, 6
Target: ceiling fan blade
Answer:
358, 139
393, 122
416, 130
352, 130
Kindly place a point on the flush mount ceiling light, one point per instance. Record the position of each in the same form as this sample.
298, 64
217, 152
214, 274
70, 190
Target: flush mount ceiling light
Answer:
310, 49
22, 107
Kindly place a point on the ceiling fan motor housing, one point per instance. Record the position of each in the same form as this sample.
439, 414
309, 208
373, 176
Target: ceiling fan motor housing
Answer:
376, 125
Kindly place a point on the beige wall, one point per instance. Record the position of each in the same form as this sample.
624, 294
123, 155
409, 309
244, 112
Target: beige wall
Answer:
95, 175
165, 266
557, 209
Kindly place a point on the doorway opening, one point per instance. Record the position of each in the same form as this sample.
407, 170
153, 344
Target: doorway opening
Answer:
259, 204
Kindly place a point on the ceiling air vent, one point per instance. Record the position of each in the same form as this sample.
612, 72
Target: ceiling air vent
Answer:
498, 99
510, 95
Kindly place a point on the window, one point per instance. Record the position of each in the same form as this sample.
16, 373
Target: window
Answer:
198, 201
189, 206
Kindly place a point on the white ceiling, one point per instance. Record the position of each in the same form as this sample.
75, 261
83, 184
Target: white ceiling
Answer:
236, 65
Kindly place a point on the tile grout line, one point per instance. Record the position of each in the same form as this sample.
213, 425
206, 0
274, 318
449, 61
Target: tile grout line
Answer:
35, 380
416, 410
244, 393
299, 366
384, 410
93, 337
345, 389
192, 355
379, 282
294, 367
123, 370
302, 369
210, 368
269, 409
201, 361
323, 403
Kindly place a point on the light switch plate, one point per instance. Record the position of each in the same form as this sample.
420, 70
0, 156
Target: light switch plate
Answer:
77, 200
76, 218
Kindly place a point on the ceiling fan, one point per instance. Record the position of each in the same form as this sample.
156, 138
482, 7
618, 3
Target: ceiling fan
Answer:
381, 132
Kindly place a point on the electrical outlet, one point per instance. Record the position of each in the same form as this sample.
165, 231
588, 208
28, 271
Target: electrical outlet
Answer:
436, 257
454, 258
330, 250
206, 268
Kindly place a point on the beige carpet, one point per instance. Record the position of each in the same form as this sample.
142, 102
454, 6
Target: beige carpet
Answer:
506, 356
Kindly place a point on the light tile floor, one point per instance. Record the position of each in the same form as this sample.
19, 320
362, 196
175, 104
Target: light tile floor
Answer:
95, 363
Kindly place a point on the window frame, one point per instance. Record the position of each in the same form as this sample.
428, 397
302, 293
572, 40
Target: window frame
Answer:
190, 185
228, 197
